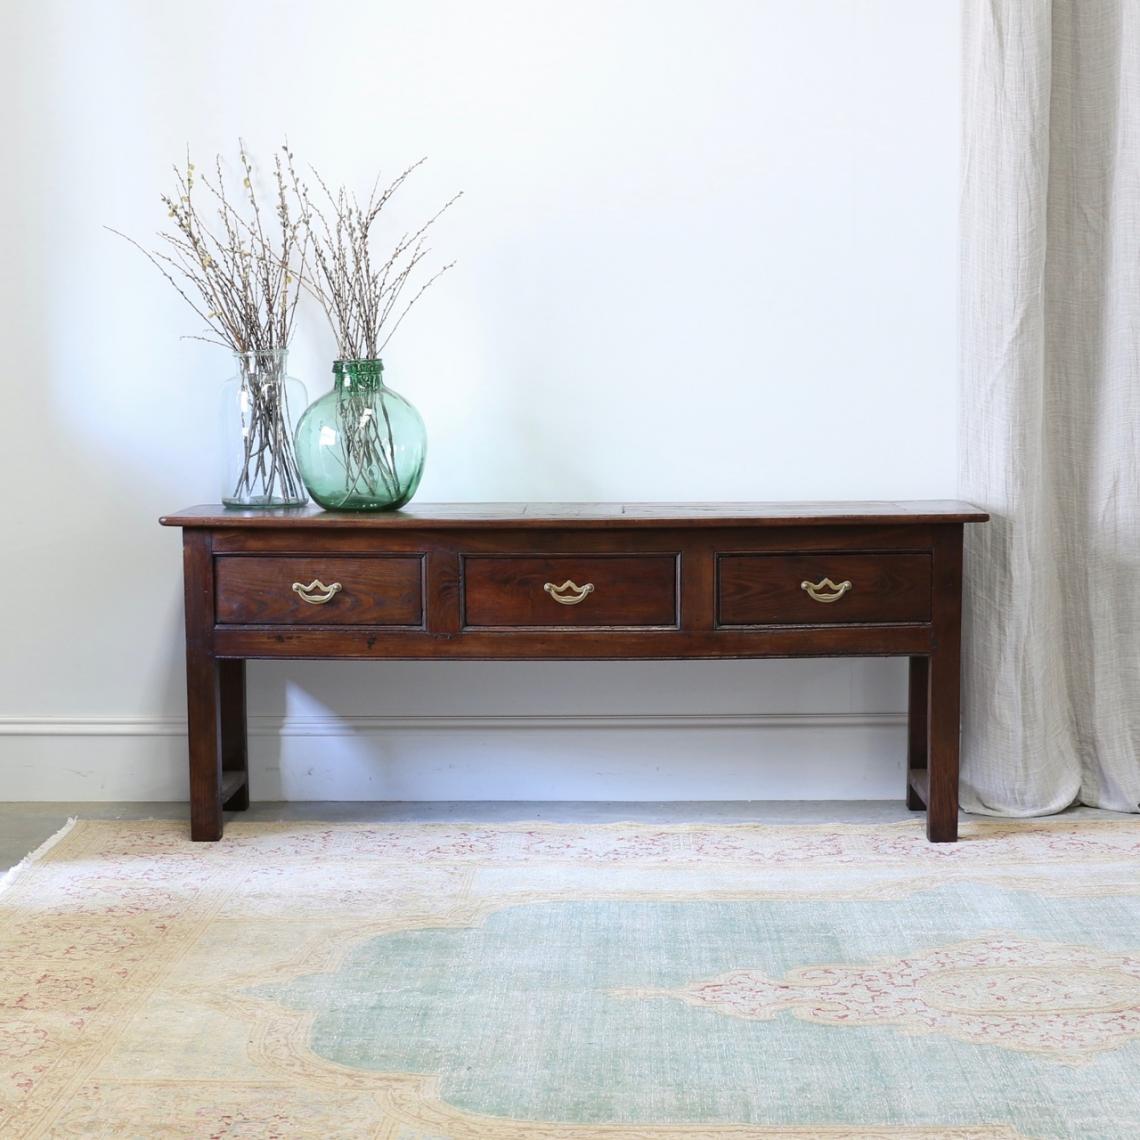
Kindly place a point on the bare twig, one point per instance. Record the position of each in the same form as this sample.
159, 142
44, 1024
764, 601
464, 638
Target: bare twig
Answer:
240, 270
358, 296
245, 270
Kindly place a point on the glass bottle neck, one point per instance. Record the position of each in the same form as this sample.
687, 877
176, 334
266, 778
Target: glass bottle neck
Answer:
358, 375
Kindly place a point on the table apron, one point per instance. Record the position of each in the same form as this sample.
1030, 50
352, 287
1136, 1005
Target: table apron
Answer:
577, 644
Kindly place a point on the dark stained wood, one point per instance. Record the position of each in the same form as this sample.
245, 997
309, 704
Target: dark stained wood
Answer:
943, 701
331, 538
766, 589
235, 788
522, 644
465, 582
203, 696
916, 788
235, 739
443, 590
918, 683
624, 591
698, 583
382, 590
519, 516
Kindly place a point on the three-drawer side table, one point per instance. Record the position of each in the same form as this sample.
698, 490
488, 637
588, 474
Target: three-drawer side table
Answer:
548, 581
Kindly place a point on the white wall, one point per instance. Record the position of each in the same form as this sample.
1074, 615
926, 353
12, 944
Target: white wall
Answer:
706, 251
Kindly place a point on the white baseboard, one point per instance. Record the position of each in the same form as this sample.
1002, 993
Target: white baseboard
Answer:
681, 756
352, 725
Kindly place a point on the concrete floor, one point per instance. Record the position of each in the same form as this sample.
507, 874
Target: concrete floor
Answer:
24, 826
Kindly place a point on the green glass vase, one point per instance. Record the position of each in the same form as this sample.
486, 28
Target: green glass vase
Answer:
361, 447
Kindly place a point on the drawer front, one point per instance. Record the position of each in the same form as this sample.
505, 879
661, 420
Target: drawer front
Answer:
568, 591
379, 590
769, 589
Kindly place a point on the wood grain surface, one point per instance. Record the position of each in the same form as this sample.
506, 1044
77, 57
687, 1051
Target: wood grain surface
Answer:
381, 590
766, 589
623, 591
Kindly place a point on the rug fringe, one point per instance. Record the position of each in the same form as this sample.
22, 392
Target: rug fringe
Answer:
13, 873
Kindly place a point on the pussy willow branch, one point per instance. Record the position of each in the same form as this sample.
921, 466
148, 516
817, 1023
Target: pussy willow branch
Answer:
359, 299
242, 276
269, 464
239, 274
368, 463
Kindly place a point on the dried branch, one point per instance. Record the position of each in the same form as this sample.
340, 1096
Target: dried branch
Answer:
244, 269
358, 299
239, 267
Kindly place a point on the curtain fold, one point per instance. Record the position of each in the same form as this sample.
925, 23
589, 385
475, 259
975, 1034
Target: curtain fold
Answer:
1050, 428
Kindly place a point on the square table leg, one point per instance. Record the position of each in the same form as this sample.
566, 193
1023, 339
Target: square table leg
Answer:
204, 737
215, 695
944, 688
234, 735
917, 727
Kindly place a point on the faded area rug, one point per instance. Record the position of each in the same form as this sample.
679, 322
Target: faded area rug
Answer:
574, 982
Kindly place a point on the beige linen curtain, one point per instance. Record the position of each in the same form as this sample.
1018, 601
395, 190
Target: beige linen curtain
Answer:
1050, 363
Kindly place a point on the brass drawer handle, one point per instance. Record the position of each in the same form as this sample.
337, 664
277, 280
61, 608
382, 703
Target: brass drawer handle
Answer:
316, 593
568, 594
818, 591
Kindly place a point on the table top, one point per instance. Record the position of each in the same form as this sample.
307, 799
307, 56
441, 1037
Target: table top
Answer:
589, 515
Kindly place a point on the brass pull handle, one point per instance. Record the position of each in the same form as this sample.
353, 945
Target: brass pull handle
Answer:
316, 593
568, 594
825, 590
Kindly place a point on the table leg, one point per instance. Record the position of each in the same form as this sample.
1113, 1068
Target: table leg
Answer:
234, 738
918, 725
945, 684
203, 688
204, 735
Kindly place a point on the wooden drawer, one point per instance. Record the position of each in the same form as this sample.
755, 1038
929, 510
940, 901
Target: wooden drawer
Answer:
768, 589
615, 591
379, 590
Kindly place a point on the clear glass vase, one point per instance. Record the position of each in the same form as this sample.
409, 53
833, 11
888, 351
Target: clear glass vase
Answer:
260, 408
361, 447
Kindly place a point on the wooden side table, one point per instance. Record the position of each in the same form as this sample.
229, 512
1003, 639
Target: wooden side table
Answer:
545, 581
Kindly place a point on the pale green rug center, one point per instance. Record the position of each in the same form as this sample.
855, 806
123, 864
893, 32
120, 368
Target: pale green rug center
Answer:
969, 1004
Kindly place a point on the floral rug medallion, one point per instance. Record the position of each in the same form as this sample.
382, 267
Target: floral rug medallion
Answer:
1065, 1002
564, 982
